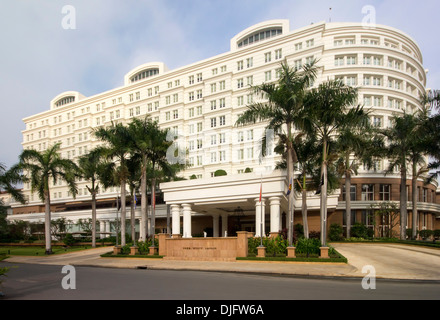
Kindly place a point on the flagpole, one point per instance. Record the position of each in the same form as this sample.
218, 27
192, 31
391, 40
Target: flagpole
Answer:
261, 211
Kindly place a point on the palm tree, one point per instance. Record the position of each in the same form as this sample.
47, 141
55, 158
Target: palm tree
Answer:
40, 168
8, 181
157, 154
327, 112
285, 101
93, 167
140, 131
134, 178
354, 145
405, 146
118, 140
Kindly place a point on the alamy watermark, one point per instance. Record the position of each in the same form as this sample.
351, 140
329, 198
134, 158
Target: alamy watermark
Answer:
69, 281
369, 281
69, 19
369, 17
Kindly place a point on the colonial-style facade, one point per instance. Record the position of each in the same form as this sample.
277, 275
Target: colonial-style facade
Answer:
201, 102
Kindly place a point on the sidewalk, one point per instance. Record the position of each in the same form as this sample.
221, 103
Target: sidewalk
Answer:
353, 269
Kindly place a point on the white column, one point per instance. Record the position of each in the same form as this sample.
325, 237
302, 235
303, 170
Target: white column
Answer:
215, 221
224, 224
107, 228
175, 218
186, 221
275, 214
259, 217
141, 230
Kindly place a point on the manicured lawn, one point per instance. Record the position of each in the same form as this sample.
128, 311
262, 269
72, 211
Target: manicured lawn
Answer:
36, 251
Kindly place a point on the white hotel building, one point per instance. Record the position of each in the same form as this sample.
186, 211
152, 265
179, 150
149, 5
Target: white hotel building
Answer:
201, 103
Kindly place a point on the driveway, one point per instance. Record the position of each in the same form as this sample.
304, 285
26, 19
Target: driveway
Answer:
393, 261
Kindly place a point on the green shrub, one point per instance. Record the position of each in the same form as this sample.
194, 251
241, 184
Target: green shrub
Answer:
436, 234
69, 240
359, 230
220, 172
274, 246
425, 234
335, 233
308, 246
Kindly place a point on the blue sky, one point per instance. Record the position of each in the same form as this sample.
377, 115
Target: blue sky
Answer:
40, 59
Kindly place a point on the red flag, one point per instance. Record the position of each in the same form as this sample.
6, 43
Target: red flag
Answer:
261, 189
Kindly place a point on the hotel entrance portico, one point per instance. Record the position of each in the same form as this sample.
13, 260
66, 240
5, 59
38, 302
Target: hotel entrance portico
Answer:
232, 202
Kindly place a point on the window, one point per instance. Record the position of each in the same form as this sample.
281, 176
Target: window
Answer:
222, 138
222, 120
351, 60
199, 94
310, 43
249, 62
298, 46
199, 77
175, 114
278, 54
222, 102
240, 136
250, 134
222, 156
213, 157
191, 96
377, 122
168, 115
268, 76
368, 218
213, 122
385, 192
352, 193
240, 154
222, 85
339, 61
191, 79
298, 64
367, 192
240, 101
267, 57
213, 140
191, 112
240, 83
213, 87
213, 105
240, 65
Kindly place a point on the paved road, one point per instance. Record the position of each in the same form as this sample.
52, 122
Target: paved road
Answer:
393, 261
44, 282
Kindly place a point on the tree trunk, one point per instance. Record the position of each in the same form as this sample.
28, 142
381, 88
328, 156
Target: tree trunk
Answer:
144, 202
348, 202
290, 177
132, 217
47, 222
93, 217
414, 203
324, 197
304, 211
123, 212
403, 203
153, 207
